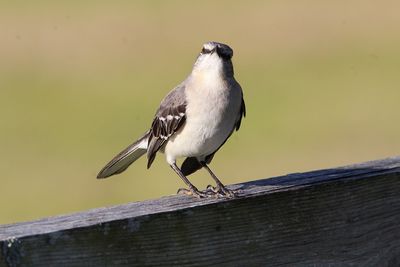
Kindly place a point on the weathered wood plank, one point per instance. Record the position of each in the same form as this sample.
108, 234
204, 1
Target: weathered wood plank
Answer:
346, 216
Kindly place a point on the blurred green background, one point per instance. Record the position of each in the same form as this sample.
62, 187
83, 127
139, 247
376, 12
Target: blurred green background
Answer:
80, 80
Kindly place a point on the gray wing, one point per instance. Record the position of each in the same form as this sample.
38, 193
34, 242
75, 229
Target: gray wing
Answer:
169, 118
242, 114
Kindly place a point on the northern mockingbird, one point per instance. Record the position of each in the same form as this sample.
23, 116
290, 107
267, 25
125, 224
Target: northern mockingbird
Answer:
193, 121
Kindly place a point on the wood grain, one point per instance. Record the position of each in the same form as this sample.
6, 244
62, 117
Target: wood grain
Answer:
346, 216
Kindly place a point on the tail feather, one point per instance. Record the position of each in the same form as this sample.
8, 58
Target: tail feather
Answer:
125, 158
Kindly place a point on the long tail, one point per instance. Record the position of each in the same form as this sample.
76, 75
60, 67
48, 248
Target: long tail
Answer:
125, 158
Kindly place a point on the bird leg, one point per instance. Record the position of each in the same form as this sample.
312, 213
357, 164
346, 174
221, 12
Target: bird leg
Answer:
220, 189
192, 191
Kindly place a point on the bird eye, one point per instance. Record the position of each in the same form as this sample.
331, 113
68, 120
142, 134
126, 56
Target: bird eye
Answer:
205, 51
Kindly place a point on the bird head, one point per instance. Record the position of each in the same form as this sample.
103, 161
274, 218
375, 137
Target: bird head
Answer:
215, 57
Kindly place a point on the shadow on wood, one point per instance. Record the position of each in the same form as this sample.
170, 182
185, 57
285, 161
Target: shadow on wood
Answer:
346, 216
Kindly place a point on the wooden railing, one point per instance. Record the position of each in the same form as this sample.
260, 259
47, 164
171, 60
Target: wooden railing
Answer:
347, 216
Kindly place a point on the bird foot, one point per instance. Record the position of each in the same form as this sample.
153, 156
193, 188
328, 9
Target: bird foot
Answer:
192, 192
220, 191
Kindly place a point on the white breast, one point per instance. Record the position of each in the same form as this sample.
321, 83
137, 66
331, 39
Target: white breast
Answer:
211, 114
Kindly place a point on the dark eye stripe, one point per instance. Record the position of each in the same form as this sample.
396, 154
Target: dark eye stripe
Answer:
205, 51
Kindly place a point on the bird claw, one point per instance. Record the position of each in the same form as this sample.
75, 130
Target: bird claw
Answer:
220, 191
192, 192
211, 191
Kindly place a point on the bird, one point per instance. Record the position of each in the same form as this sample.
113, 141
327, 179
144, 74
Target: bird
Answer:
193, 121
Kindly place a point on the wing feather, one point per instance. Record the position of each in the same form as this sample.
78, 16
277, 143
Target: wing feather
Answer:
169, 118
